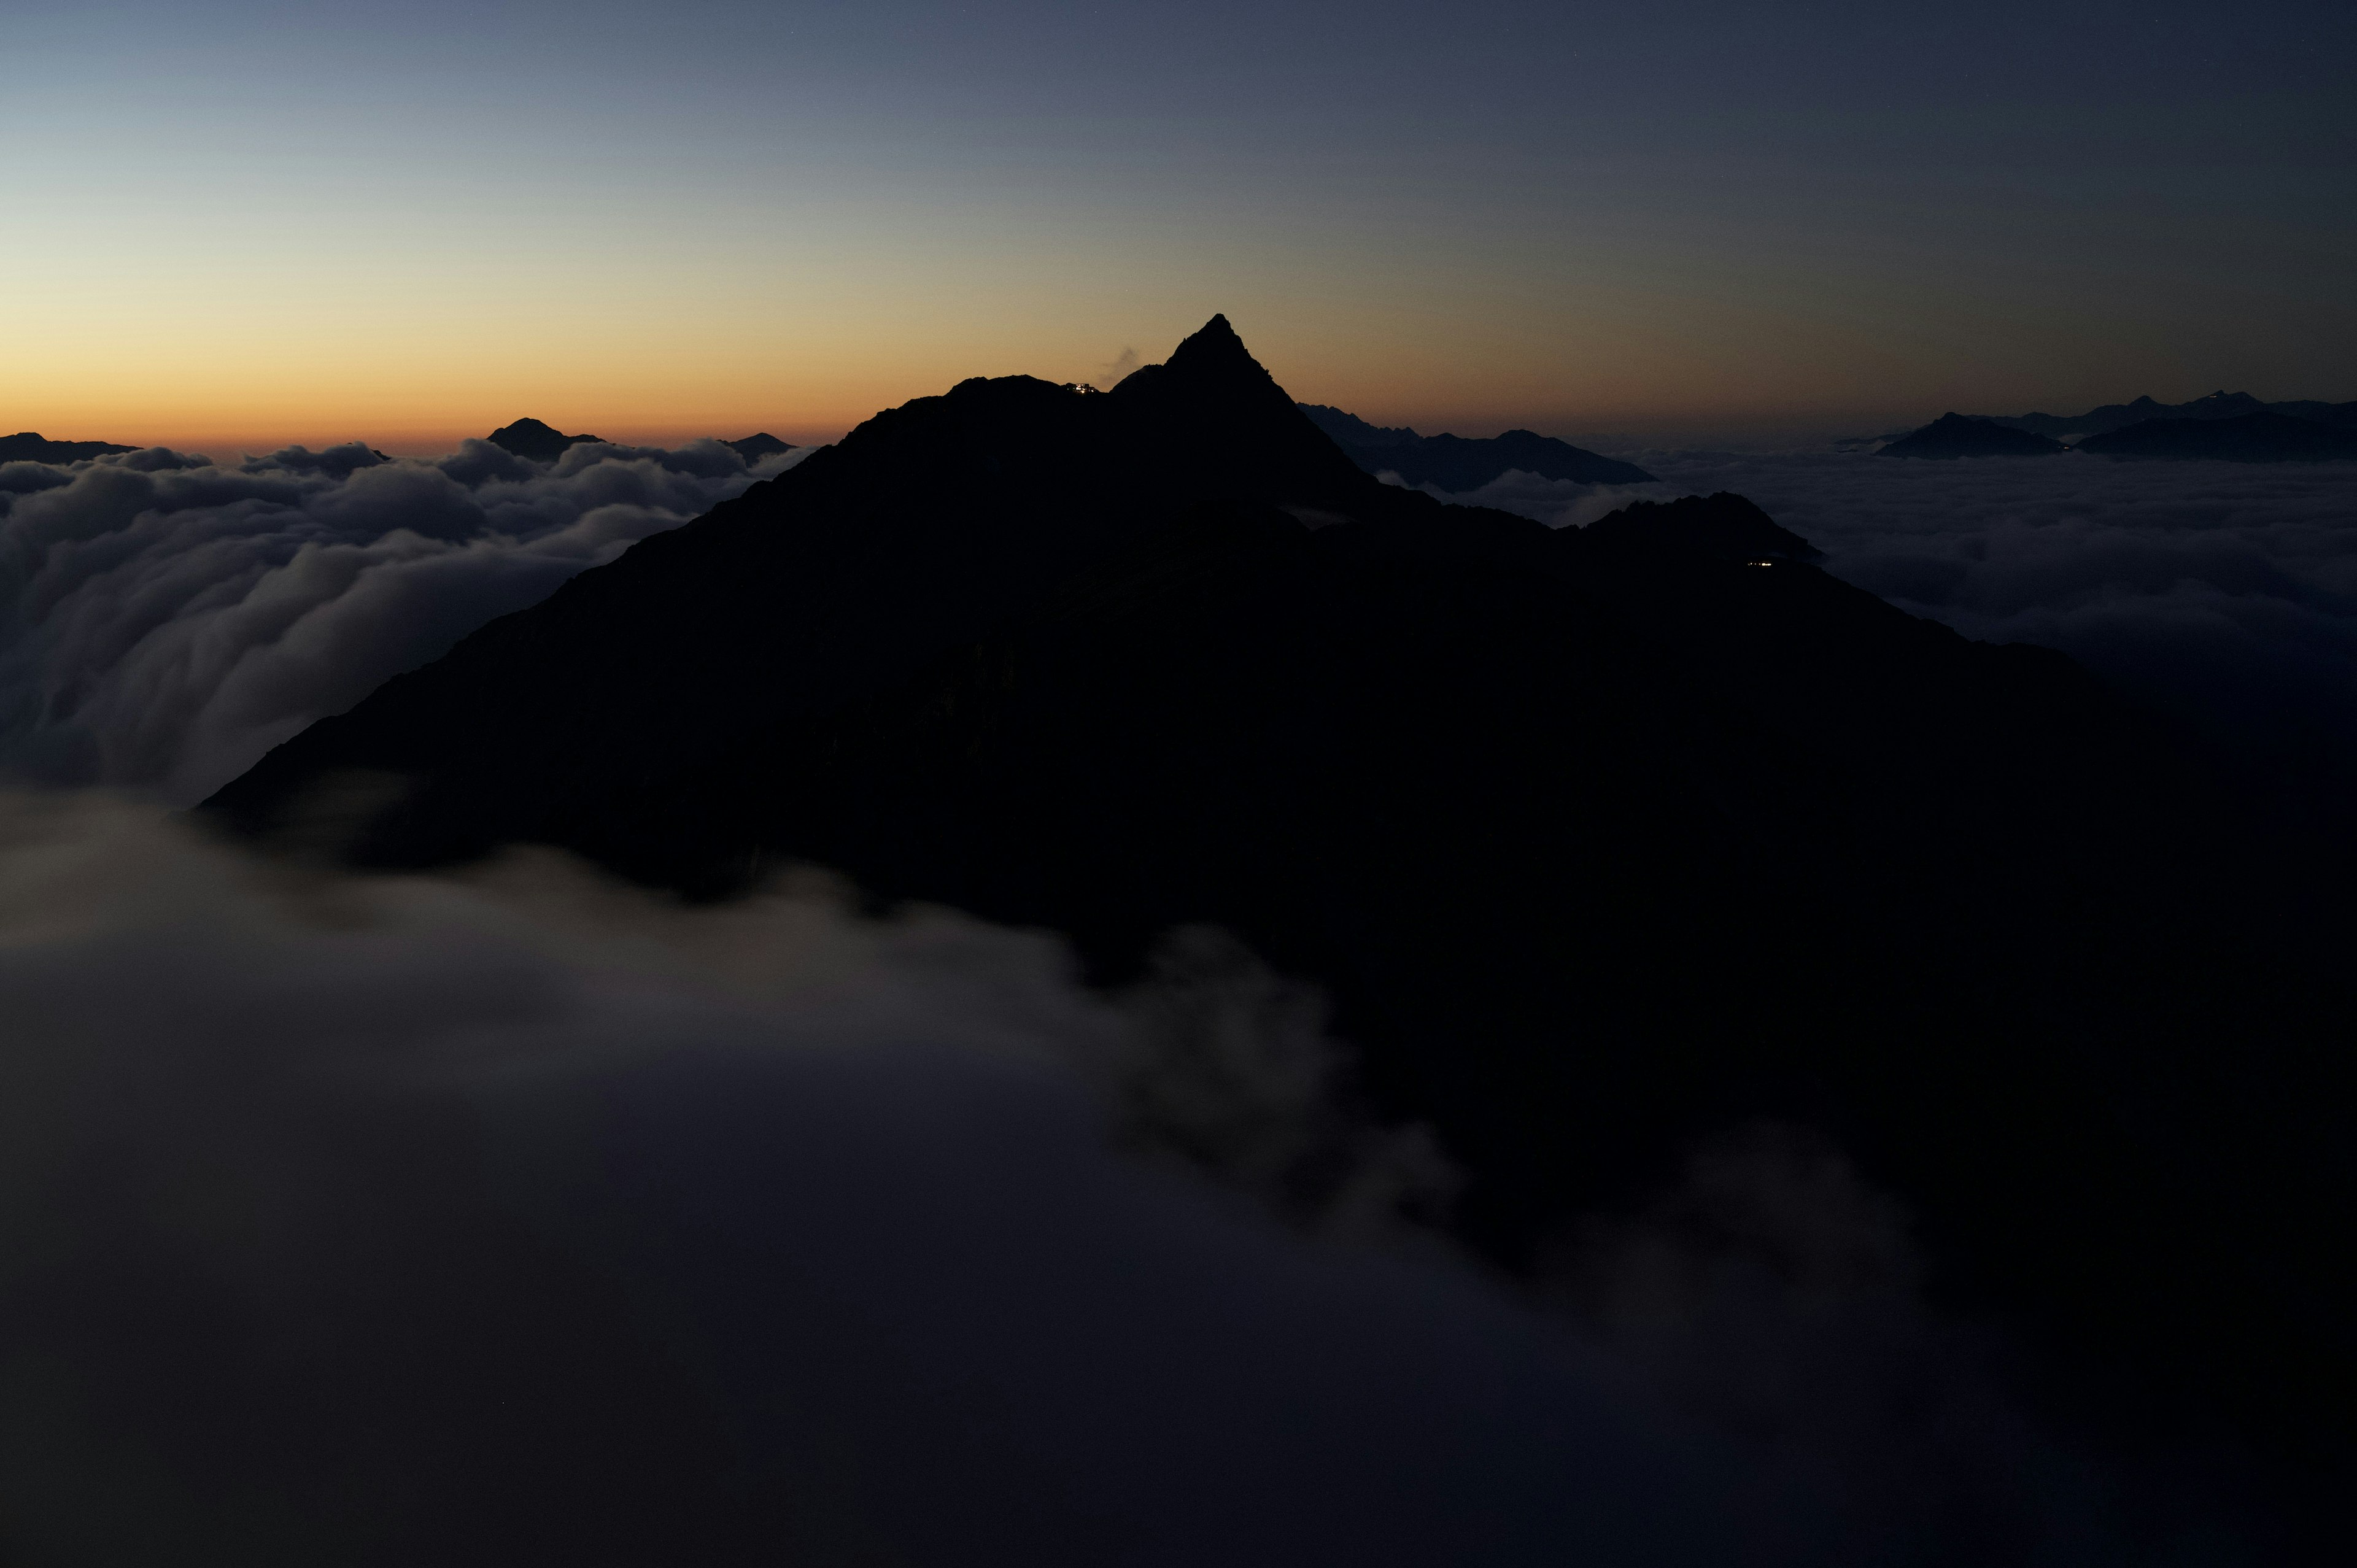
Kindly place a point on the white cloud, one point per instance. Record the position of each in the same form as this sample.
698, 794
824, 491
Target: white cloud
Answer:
526, 1217
165, 620
522, 1215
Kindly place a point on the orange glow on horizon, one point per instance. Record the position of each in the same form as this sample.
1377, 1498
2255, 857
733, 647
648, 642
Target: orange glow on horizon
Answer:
416, 383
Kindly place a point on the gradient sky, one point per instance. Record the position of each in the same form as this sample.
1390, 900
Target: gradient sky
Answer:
235, 222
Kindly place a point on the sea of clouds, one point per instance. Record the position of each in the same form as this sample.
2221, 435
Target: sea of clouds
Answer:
517, 1216
166, 619
2221, 595
522, 1217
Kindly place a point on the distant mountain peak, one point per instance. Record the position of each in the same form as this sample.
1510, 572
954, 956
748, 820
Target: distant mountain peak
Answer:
532, 439
527, 429
757, 446
1964, 436
31, 446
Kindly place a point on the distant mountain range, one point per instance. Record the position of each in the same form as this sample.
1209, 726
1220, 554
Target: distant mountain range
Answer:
2262, 437
543, 443
1961, 435
527, 438
1458, 464
2232, 426
2217, 405
1600, 840
26, 447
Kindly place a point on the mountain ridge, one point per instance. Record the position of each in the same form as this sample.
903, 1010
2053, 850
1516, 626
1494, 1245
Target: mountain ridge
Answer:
1600, 840
26, 446
1962, 436
1457, 464
2221, 404
2266, 436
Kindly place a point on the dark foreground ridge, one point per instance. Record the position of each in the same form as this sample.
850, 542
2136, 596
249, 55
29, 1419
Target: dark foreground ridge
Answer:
1457, 464
1600, 840
25, 446
530, 439
1960, 435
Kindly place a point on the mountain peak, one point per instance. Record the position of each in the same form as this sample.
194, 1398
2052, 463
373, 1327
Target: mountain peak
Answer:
531, 439
1214, 352
1211, 396
1214, 337
1964, 436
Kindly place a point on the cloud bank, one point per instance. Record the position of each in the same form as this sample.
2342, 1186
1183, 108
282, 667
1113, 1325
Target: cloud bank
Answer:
523, 1219
166, 619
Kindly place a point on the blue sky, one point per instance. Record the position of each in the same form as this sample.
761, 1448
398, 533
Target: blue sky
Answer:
706, 213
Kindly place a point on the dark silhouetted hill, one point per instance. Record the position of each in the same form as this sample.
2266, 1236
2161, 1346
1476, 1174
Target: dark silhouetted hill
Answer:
1961, 435
755, 447
529, 438
26, 447
1723, 527
1458, 463
1601, 840
2114, 417
2264, 437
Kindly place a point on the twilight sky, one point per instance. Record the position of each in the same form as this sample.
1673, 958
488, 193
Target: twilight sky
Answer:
248, 221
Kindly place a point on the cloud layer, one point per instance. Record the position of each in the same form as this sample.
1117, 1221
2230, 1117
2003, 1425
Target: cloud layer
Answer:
523, 1219
529, 1220
165, 619
2223, 594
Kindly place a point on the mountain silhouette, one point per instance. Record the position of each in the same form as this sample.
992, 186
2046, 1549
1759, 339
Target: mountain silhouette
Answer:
2114, 417
26, 447
1457, 464
1601, 840
530, 439
2263, 437
1961, 435
1724, 527
755, 447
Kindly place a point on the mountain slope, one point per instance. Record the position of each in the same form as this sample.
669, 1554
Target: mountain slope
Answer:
921, 528
1601, 840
